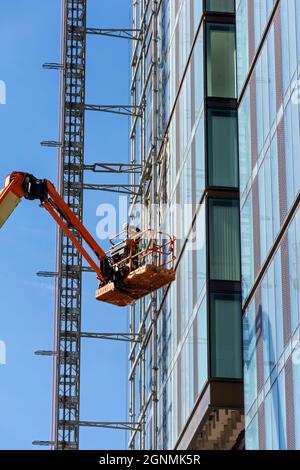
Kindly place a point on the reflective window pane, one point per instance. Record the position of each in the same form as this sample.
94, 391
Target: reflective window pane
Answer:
250, 363
247, 247
296, 388
242, 40
201, 325
224, 237
222, 148
252, 440
222, 6
226, 342
221, 79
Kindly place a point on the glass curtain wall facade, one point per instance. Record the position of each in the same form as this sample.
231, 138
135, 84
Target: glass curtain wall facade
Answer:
186, 387
268, 71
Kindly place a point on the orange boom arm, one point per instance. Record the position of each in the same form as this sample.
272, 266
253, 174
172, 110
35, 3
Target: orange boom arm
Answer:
19, 185
133, 268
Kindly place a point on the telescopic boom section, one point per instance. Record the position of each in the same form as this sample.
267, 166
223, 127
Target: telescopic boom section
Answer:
19, 185
10, 196
66, 219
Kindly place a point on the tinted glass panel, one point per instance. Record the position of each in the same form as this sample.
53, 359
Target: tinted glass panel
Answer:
221, 80
226, 6
226, 338
222, 148
224, 238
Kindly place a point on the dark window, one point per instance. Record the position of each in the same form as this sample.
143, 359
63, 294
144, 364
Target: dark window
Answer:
222, 148
224, 240
221, 80
220, 6
226, 338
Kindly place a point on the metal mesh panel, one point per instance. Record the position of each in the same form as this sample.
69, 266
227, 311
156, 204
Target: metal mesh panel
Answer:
282, 171
251, 33
261, 427
286, 303
289, 404
278, 58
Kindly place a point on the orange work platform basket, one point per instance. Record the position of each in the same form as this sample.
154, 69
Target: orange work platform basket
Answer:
150, 268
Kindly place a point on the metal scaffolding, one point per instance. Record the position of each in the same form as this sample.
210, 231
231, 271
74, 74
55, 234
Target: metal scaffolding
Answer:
147, 172
145, 93
69, 269
70, 261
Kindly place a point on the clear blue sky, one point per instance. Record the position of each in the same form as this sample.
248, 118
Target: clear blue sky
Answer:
29, 36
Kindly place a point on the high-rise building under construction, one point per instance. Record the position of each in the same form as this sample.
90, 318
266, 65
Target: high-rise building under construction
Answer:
218, 83
214, 331
186, 374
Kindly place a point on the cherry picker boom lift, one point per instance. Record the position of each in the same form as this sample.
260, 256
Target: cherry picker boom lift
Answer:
131, 269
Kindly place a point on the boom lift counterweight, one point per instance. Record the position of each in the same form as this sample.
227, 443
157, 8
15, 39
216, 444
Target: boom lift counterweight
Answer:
141, 266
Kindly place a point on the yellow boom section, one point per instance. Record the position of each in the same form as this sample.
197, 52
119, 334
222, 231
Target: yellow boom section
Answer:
8, 203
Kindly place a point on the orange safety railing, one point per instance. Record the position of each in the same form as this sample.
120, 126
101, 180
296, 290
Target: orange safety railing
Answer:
150, 250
